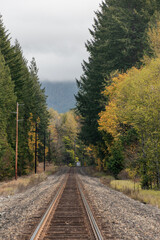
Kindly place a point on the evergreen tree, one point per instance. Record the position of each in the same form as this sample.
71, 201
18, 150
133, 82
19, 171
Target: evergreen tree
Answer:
12, 59
39, 106
118, 42
15, 62
24, 93
27, 91
7, 105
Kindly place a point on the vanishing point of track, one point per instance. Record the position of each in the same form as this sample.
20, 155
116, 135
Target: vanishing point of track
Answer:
68, 216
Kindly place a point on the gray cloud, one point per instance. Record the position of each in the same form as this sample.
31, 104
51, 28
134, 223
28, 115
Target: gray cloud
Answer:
52, 31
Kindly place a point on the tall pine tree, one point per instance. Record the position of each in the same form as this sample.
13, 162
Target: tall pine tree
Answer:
27, 90
118, 42
7, 105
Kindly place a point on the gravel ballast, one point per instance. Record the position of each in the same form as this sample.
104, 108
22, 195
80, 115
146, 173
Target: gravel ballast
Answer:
126, 218
120, 217
17, 211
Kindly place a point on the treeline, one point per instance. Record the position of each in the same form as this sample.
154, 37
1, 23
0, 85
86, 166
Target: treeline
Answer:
65, 148
19, 83
119, 89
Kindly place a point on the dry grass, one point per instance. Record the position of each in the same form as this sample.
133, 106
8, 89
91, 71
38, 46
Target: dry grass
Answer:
22, 183
128, 187
49, 169
125, 185
90, 170
134, 191
107, 180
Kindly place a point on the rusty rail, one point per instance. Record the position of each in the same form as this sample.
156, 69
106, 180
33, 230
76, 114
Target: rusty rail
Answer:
68, 216
93, 223
44, 219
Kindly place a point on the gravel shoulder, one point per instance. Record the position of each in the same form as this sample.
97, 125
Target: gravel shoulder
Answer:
126, 218
18, 212
120, 217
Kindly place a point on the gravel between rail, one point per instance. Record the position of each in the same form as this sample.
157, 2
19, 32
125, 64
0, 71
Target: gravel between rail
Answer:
17, 211
127, 219
123, 217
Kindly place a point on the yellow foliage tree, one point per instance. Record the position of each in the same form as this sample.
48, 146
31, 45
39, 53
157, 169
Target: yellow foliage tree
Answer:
109, 121
134, 100
154, 37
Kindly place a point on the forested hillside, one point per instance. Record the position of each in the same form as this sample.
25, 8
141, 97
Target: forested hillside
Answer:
19, 86
115, 125
119, 89
60, 95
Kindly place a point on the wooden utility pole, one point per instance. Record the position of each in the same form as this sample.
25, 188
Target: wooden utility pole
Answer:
74, 150
36, 149
49, 148
16, 160
44, 151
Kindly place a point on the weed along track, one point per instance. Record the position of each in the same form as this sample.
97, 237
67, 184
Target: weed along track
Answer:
69, 215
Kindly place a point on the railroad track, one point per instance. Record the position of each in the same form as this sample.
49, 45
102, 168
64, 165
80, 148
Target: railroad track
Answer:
68, 216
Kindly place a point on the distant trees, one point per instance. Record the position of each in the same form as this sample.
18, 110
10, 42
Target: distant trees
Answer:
64, 145
63, 135
20, 83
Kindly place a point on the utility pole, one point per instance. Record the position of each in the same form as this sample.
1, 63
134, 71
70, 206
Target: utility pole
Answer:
17, 120
36, 149
16, 160
44, 151
49, 150
74, 150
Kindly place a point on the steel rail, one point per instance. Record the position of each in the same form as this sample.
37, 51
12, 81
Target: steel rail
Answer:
40, 226
93, 223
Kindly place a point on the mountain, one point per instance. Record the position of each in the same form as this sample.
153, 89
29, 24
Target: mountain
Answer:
60, 95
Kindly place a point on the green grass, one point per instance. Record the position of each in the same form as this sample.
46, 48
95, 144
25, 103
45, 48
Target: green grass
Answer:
134, 191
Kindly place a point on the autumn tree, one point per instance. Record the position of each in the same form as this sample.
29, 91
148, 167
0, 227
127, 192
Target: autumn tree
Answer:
38, 106
110, 124
135, 97
55, 144
63, 129
139, 99
118, 42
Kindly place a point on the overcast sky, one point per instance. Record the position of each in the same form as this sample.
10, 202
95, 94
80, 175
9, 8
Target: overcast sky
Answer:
52, 31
